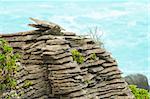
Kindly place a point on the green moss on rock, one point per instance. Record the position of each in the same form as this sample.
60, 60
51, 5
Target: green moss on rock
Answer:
77, 56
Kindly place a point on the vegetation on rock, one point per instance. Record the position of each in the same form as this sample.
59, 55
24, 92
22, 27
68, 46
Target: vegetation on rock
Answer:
95, 33
8, 66
77, 56
93, 56
8, 69
27, 84
139, 93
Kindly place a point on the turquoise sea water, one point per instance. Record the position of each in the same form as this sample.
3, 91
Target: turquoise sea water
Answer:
124, 24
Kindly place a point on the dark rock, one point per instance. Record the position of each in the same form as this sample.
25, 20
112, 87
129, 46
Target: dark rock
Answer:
138, 79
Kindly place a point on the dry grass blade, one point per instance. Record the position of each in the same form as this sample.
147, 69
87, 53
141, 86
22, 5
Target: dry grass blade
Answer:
96, 34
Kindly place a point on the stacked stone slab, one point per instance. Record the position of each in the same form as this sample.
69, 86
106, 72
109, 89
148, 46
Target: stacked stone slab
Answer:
48, 63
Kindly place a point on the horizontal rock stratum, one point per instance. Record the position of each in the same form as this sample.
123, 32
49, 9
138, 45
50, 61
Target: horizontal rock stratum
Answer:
47, 61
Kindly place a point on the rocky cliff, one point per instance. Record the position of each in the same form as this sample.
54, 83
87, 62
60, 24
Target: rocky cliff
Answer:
62, 65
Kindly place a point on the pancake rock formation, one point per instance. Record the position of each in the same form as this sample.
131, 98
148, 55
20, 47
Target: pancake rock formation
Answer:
62, 65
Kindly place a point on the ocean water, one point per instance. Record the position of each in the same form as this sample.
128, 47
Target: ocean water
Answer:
124, 24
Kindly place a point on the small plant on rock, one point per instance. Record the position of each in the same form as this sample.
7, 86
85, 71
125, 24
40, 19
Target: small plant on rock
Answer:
139, 93
87, 81
95, 33
93, 56
77, 56
27, 84
8, 69
8, 66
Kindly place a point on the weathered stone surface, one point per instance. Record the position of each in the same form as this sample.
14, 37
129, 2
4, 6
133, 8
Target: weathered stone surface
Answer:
17, 45
92, 63
47, 53
55, 47
96, 51
44, 24
51, 60
107, 65
69, 65
67, 71
57, 42
109, 70
69, 33
13, 38
45, 37
95, 69
31, 37
36, 44
34, 69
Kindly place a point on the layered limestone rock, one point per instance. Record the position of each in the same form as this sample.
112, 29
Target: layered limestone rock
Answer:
49, 65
